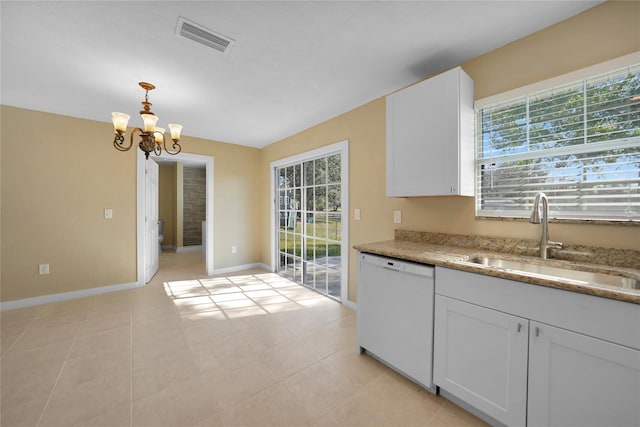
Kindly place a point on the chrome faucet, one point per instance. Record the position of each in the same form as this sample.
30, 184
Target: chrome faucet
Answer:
537, 218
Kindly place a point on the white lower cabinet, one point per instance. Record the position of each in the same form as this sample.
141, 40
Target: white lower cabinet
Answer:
481, 358
495, 350
576, 380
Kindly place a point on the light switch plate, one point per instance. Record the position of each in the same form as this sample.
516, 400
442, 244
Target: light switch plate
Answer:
356, 214
397, 217
108, 213
43, 269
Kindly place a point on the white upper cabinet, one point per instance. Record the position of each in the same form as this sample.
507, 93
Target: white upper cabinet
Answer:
430, 137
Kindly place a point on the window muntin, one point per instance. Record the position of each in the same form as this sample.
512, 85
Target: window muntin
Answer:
310, 223
578, 143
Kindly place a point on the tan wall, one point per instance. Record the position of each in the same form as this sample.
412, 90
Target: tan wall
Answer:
167, 204
602, 33
236, 219
58, 175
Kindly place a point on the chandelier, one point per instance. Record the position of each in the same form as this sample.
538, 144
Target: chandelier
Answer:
152, 138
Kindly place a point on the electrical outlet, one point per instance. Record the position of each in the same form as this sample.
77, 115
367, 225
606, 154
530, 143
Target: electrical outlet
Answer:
108, 213
356, 214
43, 269
234, 249
397, 217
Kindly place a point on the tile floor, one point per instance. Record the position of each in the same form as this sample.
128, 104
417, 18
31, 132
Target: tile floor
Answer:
242, 350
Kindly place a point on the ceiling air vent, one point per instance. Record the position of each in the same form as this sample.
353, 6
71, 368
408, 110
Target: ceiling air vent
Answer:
202, 35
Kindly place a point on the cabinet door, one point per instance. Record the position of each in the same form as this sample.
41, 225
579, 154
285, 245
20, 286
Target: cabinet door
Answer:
481, 358
422, 138
576, 380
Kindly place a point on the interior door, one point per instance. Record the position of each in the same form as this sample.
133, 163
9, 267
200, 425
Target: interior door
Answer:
152, 253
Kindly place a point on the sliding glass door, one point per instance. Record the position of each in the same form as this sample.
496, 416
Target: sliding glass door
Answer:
309, 215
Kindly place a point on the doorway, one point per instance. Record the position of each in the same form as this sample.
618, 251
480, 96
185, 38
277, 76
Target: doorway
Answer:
151, 249
142, 233
310, 217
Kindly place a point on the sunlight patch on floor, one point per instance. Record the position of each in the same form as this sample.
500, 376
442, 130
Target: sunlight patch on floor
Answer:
246, 295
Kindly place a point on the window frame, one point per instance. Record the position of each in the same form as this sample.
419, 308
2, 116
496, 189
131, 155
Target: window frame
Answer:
533, 90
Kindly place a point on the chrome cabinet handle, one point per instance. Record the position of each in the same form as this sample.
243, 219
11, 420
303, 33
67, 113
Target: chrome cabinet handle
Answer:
537, 331
519, 327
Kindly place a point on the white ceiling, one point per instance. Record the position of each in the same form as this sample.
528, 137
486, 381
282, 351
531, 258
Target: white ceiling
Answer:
293, 65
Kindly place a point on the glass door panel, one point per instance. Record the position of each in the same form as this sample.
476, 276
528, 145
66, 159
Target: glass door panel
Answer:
310, 223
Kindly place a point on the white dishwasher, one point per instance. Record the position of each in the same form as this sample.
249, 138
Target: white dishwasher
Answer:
395, 315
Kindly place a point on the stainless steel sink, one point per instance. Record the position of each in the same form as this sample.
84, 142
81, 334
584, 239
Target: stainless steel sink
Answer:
580, 276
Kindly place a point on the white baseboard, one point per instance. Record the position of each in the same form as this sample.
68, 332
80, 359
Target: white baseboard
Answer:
350, 304
237, 268
82, 293
63, 296
194, 248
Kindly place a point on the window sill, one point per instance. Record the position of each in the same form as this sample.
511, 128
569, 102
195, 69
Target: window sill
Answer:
620, 222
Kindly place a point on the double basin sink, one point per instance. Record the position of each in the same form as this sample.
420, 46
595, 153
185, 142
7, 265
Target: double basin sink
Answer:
538, 269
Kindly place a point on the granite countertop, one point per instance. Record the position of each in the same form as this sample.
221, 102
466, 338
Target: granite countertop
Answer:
455, 251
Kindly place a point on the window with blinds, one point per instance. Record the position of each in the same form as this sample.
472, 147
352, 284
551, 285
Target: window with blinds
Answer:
577, 143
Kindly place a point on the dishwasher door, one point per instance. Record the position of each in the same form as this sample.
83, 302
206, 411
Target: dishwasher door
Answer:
395, 315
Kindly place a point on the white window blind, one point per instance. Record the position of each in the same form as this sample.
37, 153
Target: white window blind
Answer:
578, 143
